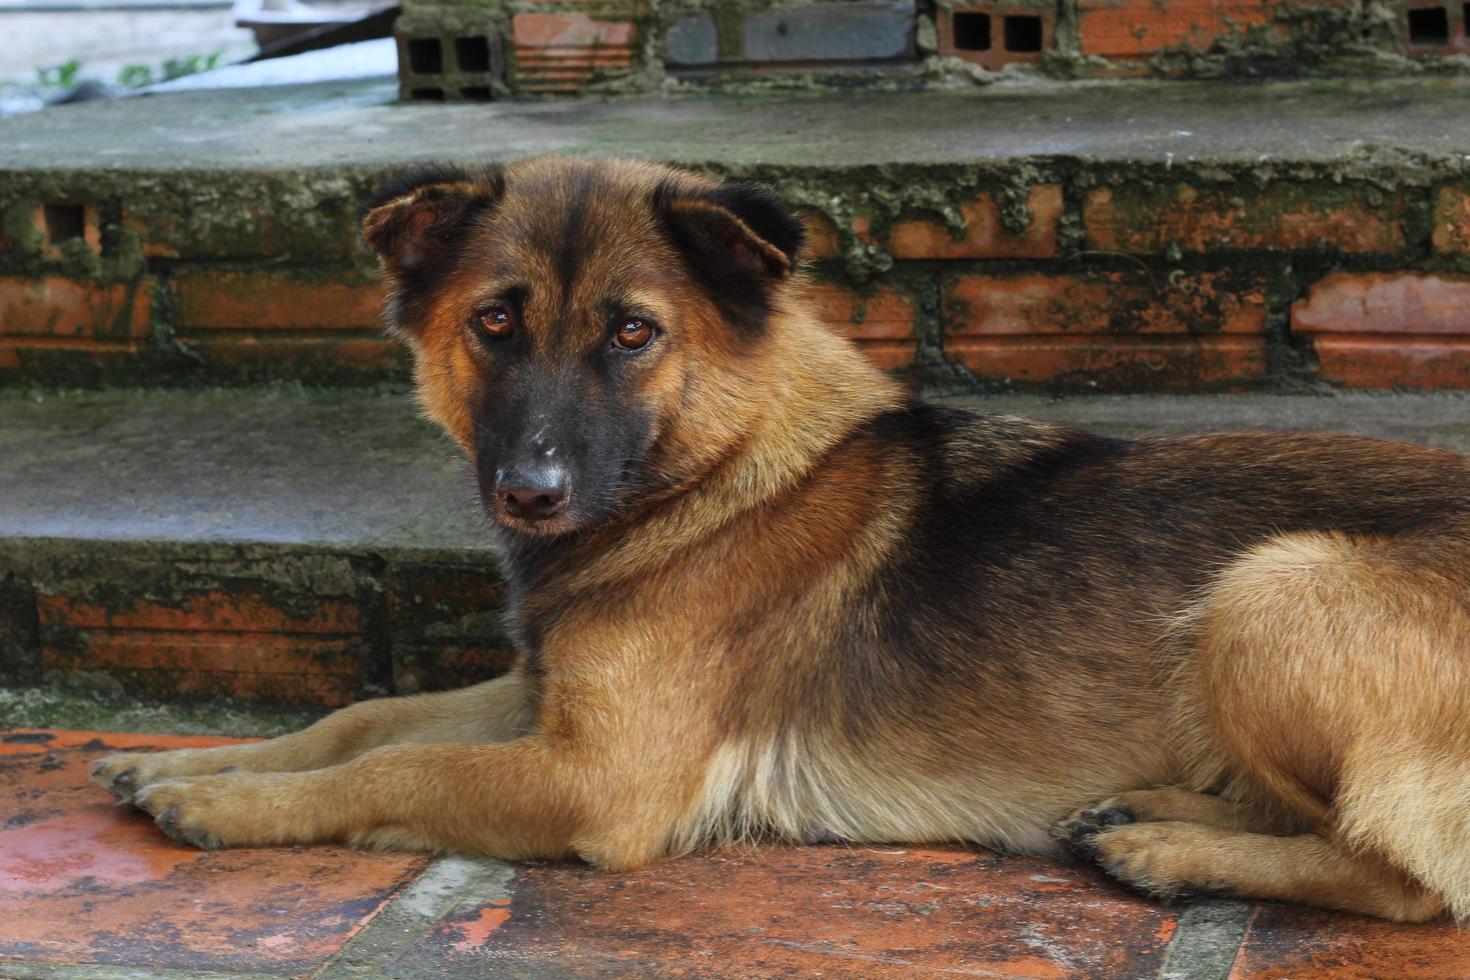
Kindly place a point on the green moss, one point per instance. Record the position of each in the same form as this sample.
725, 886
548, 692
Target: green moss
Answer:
53, 707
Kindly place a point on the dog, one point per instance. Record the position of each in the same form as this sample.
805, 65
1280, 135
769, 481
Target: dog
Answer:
762, 592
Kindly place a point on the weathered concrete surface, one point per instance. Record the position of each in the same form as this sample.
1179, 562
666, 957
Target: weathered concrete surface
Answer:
1353, 124
265, 467
360, 470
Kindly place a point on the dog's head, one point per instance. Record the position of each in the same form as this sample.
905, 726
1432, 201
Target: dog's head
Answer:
586, 330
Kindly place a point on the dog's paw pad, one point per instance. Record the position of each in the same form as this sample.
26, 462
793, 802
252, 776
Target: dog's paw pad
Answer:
1079, 830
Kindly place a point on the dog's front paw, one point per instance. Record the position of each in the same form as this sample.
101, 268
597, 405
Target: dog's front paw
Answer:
229, 810
1079, 830
1166, 860
118, 774
126, 774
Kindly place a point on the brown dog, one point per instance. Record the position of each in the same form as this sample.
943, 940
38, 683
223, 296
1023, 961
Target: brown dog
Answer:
763, 593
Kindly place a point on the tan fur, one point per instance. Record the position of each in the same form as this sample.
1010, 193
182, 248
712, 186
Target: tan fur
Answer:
1280, 715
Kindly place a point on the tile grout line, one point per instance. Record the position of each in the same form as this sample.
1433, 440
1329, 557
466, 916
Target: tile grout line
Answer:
1207, 940
415, 912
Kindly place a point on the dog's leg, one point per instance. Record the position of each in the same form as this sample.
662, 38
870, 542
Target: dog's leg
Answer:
497, 710
1168, 859
1165, 803
530, 798
1332, 676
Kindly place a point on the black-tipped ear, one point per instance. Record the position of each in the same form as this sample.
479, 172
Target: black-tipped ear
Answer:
733, 229
416, 216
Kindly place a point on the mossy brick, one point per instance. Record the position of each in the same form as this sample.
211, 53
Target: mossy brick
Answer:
1158, 217
20, 648
205, 215
1107, 331
251, 357
206, 298
1388, 330
881, 319
1452, 219
72, 309
983, 233
444, 623
233, 643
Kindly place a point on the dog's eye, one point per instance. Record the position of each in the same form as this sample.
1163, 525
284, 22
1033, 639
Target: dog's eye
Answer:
633, 334
494, 322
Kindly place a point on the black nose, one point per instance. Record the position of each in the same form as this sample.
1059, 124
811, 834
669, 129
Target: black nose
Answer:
534, 493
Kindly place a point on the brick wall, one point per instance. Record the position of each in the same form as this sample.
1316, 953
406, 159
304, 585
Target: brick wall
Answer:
489, 48
1076, 278
1134, 281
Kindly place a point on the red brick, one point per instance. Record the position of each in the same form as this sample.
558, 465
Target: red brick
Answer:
1139, 29
238, 613
237, 645
558, 53
206, 299
886, 913
1106, 304
881, 320
999, 53
1385, 330
84, 881
1376, 362
1385, 303
1110, 331
1452, 220
54, 307
1278, 217
1287, 943
985, 235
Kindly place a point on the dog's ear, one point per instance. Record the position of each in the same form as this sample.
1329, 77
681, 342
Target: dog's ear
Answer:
416, 218
732, 230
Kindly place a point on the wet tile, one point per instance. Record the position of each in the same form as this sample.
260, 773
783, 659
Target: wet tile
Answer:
834, 911
1306, 944
85, 881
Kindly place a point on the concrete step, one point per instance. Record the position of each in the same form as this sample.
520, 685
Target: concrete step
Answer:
287, 547
312, 548
1028, 235
93, 890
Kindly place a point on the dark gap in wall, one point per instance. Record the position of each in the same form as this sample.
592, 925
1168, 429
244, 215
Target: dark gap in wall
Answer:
64, 222
428, 94
1023, 33
1429, 27
971, 32
472, 53
425, 56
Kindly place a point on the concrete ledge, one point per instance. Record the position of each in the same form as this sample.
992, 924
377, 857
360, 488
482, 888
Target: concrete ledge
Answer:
314, 548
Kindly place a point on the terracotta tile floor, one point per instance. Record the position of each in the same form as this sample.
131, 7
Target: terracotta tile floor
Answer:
88, 889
